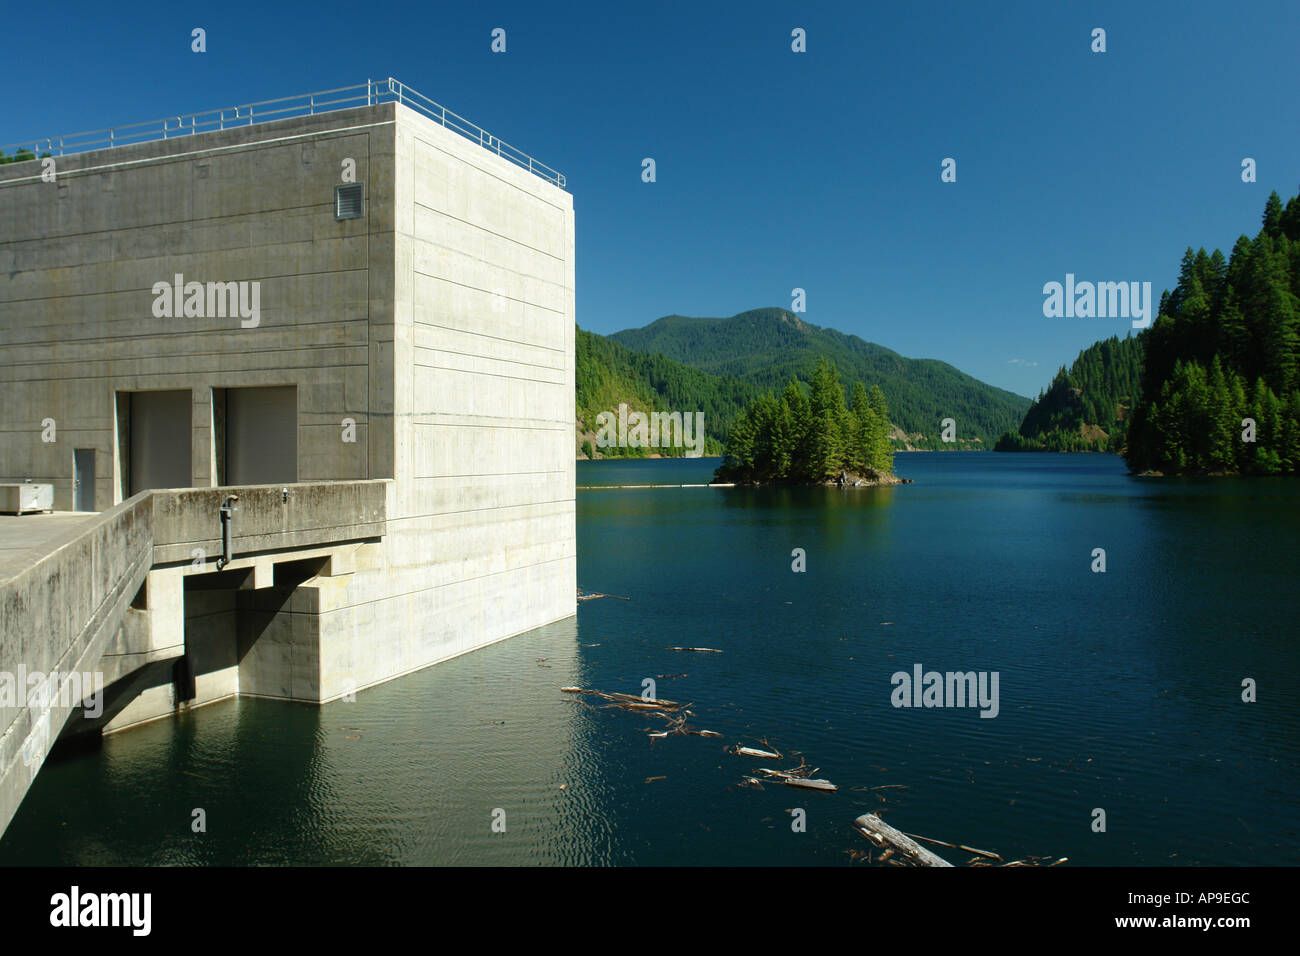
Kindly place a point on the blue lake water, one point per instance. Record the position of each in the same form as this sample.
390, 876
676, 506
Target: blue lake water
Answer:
1118, 690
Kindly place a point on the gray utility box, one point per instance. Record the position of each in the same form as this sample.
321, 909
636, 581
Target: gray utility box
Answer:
15, 499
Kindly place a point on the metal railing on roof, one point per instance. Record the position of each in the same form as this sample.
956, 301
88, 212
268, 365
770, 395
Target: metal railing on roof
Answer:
368, 94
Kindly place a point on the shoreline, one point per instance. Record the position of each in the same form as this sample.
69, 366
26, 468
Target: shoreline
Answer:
853, 481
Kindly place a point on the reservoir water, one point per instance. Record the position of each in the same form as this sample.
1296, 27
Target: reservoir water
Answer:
1119, 691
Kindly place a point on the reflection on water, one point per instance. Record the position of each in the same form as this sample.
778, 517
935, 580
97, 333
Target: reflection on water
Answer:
1118, 690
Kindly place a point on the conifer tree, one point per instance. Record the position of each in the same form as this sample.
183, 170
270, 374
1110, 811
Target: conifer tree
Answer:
1220, 420
1290, 221
1272, 218
814, 438
1225, 347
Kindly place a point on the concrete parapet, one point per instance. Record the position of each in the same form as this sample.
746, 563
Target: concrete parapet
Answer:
110, 598
57, 617
267, 518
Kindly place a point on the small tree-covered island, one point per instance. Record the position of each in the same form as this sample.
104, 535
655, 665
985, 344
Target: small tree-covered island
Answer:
812, 439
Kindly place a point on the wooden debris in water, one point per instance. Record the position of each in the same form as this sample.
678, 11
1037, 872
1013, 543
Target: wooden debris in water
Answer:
592, 595
800, 776
809, 784
1030, 861
803, 770
753, 752
706, 650
670, 711
634, 698
882, 834
626, 700
957, 846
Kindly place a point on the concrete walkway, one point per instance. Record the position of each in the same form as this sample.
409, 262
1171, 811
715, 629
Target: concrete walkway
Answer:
24, 538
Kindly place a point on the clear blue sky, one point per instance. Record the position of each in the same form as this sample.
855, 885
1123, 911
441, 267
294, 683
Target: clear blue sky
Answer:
775, 169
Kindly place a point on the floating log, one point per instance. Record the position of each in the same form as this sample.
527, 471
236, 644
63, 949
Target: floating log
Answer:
957, 846
712, 484
795, 780
626, 700
635, 699
706, 650
592, 595
802, 772
752, 752
881, 833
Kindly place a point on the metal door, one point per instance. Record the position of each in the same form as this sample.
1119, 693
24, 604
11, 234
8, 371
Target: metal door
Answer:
160, 440
83, 479
262, 435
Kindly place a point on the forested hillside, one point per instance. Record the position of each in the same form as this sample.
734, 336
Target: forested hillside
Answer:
1087, 407
1221, 380
768, 347
608, 374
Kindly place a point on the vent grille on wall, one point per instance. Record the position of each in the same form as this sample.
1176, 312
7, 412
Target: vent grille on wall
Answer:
350, 201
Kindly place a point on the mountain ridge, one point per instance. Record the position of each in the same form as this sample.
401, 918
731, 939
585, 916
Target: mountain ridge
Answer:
1087, 407
767, 347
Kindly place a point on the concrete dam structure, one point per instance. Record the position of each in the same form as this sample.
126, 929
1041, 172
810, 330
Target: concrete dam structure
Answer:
301, 377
